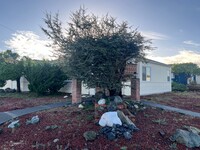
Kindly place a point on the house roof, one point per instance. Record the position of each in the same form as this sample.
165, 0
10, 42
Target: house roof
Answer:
156, 62
132, 61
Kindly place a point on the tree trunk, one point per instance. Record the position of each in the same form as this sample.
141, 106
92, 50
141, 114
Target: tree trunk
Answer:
18, 85
114, 92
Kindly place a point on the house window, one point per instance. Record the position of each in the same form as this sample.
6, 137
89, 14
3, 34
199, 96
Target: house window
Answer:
168, 76
146, 74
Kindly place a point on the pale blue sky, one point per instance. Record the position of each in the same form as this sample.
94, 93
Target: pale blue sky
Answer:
172, 24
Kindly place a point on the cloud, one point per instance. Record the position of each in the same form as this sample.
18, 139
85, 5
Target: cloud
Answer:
189, 42
154, 35
184, 56
27, 43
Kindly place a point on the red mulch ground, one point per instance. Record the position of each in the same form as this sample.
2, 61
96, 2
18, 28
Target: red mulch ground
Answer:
184, 100
73, 122
12, 103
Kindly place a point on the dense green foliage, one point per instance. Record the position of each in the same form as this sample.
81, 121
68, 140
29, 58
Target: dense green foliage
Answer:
178, 87
44, 77
2, 83
187, 68
11, 67
95, 49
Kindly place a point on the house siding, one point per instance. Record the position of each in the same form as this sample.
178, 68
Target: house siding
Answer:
160, 81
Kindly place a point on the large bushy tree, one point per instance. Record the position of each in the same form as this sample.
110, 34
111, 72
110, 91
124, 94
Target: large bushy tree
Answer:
96, 49
11, 67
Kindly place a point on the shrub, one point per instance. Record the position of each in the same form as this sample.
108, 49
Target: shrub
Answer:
44, 77
178, 87
2, 83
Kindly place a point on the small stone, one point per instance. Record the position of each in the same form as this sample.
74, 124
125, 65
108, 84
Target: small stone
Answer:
52, 127
101, 101
132, 127
127, 135
80, 106
162, 133
105, 130
34, 120
118, 99
90, 135
55, 140
14, 124
111, 136
47, 127
136, 106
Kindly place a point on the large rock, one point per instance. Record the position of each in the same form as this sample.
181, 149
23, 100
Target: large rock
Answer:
188, 138
109, 119
90, 135
192, 129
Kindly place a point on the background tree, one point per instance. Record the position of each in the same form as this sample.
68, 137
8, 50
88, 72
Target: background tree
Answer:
11, 67
2, 83
187, 68
44, 76
184, 71
95, 49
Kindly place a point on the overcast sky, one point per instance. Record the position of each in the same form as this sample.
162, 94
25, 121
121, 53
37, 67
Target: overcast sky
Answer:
173, 25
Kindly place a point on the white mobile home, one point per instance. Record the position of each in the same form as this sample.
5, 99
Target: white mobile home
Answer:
155, 77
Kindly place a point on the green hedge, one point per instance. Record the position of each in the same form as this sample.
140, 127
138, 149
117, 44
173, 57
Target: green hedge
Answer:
44, 77
178, 87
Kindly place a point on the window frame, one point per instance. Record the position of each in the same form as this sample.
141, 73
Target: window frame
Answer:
146, 73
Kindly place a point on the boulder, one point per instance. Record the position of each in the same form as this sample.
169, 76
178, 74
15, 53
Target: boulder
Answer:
90, 135
109, 118
192, 129
188, 138
125, 119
